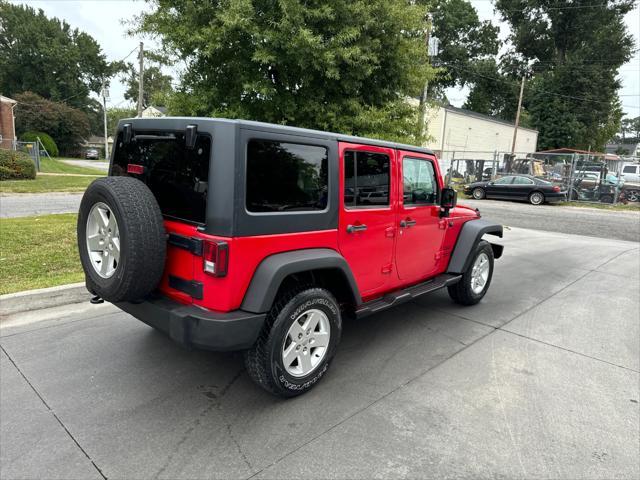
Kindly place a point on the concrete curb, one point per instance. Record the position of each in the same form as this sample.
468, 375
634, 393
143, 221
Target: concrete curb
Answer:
43, 298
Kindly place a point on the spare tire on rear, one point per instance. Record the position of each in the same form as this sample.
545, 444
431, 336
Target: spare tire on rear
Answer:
121, 239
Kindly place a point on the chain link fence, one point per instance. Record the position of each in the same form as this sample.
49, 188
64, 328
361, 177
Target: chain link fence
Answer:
584, 177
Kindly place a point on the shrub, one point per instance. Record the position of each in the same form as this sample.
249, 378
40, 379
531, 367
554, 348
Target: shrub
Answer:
48, 142
16, 166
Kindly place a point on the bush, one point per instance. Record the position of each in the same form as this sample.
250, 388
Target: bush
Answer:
16, 166
48, 142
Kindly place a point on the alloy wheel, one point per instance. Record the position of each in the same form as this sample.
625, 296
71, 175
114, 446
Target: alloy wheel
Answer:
103, 240
306, 343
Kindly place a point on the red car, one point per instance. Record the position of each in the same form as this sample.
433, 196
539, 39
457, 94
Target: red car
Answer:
238, 235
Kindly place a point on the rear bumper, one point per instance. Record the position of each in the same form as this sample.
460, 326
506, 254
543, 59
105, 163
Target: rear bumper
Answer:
555, 197
192, 326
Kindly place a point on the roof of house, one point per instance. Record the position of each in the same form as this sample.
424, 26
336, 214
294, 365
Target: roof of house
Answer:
7, 99
482, 116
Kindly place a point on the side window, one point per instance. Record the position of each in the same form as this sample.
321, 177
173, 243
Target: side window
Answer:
286, 177
629, 169
366, 179
522, 181
504, 181
419, 182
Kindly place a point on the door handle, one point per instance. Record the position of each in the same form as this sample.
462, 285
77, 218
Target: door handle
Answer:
356, 228
408, 223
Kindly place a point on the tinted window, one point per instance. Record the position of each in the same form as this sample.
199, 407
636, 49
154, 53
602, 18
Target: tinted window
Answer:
177, 176
522, 181
366, 179
286, 177
503, 181
419, 182
629, 169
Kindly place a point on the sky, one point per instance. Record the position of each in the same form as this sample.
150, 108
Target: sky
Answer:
105, 20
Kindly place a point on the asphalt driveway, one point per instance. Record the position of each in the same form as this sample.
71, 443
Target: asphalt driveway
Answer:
540, 380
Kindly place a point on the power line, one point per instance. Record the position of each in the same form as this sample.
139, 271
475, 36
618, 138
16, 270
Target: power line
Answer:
502, 79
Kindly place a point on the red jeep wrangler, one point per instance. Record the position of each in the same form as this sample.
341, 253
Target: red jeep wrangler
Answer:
238, 235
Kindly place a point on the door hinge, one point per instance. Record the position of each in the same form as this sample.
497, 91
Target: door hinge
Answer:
387, 269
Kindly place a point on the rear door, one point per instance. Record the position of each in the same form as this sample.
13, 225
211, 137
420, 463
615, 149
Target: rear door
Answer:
367, 214
521, 188
178, 178
420, 229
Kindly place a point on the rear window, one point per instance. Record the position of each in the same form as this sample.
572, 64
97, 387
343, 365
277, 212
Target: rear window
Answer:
284, 177
177, 176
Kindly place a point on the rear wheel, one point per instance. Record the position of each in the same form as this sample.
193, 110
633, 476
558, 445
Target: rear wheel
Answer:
478, 193
536, 198
297, 343
475, 282
632, 195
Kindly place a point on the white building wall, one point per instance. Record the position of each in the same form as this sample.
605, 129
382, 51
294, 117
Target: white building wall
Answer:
452, 130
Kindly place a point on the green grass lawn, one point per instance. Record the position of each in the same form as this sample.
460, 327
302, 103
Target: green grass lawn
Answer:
46, 183
38, 252
56, 166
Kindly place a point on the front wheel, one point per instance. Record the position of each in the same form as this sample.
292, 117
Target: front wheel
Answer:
297, 344
475, 282
478, 193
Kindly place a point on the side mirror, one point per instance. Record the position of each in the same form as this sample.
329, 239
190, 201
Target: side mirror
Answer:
448, 200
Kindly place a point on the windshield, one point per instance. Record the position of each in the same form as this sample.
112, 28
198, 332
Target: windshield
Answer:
177, 176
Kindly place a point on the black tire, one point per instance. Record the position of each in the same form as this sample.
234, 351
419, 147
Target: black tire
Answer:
141, 234
606, 198
478, 193
536, 198
264, 362
462, 292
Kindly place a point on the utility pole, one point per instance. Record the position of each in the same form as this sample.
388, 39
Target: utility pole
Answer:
515, 130
140, 77
105, 96
422, 109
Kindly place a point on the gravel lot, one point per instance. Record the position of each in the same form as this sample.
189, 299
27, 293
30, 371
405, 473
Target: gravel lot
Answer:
540, 380
593, 222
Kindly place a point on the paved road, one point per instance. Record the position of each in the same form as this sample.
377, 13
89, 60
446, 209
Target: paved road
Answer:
540, 380
621, 225
24, 205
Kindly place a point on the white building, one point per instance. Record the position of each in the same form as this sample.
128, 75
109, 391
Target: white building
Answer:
474, 135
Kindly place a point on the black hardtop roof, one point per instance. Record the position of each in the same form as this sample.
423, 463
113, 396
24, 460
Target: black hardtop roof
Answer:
284, 129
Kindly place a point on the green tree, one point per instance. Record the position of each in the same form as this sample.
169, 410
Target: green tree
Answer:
114, 115
465, 42
157, 86
46, 56
334, 65
573, 50
68, 126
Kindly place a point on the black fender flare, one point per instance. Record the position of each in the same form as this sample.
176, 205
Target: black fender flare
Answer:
470, 234
275, 268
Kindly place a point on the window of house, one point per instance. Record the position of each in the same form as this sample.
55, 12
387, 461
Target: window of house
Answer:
366, 179
283, 177
419, 182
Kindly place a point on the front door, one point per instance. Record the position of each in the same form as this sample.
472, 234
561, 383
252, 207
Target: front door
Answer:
500, 188
367, 214
420, 229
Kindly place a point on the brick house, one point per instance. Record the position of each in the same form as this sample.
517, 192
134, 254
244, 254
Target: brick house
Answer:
7, 122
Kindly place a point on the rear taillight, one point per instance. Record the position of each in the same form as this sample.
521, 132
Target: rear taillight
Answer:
556, 188
215, 258
135, 169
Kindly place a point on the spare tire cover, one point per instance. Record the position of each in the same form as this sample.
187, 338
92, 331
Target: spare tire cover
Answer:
121, 239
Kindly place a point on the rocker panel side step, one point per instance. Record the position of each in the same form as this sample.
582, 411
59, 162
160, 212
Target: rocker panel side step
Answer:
405, 295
